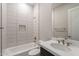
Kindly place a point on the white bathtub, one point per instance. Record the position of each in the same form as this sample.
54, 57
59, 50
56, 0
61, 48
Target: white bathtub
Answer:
19, 49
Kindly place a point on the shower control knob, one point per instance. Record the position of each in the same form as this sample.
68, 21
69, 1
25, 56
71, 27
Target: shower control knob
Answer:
35, 38
1, 27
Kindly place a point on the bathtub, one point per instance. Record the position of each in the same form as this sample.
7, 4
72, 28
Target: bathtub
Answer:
22, 49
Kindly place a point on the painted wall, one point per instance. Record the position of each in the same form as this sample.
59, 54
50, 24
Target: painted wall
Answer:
19, 24
61, 19
45, 20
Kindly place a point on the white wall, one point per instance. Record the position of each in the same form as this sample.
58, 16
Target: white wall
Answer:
45, 18
60, 18
43, 21
18, 14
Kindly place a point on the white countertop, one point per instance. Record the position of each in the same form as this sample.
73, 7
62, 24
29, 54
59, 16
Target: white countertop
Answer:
74, 50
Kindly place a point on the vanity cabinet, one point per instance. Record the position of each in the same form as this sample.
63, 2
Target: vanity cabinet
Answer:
44, 52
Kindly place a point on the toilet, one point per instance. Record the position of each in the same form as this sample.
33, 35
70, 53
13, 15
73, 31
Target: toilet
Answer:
34, 52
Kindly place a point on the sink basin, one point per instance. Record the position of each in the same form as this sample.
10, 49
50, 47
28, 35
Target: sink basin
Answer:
60, 47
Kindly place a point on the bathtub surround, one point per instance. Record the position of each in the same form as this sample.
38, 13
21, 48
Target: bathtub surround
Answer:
19, 24
17, 20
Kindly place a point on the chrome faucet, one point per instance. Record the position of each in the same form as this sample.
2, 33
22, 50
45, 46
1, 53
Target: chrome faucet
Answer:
58, 41
61, 41
65, 41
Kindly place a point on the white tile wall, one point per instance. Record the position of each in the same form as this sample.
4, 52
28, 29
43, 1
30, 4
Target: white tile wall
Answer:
16, 17
11, 25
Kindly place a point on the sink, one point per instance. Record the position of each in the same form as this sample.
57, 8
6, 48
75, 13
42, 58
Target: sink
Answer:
60, 47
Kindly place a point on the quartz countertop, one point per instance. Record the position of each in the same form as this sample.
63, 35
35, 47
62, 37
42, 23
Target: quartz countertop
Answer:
74, 50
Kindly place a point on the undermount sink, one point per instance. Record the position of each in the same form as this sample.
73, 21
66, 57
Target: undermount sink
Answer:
60, 47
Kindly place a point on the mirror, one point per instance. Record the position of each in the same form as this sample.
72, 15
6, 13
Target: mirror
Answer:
65, 21
73, 23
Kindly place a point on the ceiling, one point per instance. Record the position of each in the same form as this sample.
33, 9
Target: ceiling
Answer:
57, 4
53, 4
31, 4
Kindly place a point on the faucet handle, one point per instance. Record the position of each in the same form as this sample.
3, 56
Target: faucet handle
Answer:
63, 42
58, 41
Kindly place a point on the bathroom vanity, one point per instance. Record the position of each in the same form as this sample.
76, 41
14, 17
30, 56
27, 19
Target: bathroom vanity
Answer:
52, 48
44, 52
